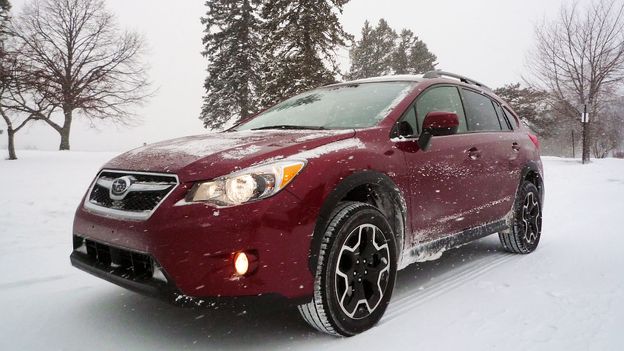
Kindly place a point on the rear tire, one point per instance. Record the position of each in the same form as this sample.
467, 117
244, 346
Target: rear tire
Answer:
356, 271
525, 229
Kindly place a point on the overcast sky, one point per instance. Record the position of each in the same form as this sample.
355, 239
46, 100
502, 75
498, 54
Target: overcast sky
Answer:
486, 40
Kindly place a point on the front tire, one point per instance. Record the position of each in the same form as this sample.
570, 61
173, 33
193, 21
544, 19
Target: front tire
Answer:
356, 272
525, 229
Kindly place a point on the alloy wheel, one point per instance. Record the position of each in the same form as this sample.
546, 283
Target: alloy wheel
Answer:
531, 218
362, 271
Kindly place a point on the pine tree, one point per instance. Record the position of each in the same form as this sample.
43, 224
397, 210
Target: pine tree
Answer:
421, 60
401, 55
532, 105
301, 38
361, 54
232, 46
377, 53
372, 55
412, 55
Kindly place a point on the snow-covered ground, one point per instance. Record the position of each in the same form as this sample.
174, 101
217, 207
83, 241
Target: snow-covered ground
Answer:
568, 295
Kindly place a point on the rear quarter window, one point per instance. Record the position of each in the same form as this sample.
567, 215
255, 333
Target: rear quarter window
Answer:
511, 117
505, 123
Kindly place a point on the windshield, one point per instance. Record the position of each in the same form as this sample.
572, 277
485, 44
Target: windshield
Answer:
337, 107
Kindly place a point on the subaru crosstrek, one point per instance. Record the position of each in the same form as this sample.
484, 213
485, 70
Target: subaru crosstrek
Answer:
318, 200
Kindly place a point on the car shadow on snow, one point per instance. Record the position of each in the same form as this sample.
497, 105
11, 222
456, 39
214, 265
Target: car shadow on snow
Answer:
269, 326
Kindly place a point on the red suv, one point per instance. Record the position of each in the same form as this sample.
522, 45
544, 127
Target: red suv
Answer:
318, 200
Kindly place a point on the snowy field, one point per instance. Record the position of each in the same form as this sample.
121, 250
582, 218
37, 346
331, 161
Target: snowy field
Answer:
568, 295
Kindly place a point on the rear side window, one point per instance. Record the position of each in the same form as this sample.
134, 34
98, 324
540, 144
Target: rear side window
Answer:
441, 99
480, 112
501, 117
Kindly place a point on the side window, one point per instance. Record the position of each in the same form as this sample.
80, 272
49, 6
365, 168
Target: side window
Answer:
501, 116
443, 99
480, 112
510, 118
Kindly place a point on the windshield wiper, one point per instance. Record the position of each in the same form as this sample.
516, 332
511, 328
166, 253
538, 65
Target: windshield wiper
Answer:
288, 126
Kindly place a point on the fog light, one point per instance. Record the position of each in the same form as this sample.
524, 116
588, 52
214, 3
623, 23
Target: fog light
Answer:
241, 263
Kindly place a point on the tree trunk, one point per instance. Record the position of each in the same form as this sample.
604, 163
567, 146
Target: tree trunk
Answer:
11, 147
65, 130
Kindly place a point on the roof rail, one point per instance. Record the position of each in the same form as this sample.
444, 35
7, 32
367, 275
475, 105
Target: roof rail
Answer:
439, 74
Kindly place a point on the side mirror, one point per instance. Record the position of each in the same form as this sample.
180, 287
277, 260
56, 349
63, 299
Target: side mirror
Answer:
437, 123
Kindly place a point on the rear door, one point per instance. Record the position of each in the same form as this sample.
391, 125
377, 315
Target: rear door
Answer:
495, 145
511, 152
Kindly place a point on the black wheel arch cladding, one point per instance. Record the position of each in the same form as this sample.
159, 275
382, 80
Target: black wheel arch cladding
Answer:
531, 172
379, 190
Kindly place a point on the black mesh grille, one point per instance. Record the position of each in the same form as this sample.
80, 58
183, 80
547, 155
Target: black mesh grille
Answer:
123, 263
100, 196
142, 201
134, 201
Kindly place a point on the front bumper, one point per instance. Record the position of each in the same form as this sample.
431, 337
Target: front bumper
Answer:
147, 285
194, 245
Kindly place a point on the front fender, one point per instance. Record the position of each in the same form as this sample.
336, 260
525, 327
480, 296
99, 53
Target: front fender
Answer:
329, 179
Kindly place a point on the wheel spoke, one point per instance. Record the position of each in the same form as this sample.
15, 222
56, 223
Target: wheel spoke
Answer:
356, 298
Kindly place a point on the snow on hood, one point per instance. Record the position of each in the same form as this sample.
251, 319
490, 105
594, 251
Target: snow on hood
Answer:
235, 150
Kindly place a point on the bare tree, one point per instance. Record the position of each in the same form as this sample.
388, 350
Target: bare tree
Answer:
81, 62
19, 103
579, 57
7, 82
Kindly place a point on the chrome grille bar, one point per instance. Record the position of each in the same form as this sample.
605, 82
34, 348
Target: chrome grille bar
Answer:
138, 201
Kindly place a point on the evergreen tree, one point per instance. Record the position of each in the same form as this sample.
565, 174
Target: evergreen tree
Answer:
232, 46
411, 55
533, 106
381, 51
301, 38
421, 60
361, 55
372, 55
401, 56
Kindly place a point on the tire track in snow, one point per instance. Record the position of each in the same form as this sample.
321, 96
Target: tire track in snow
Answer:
453, 279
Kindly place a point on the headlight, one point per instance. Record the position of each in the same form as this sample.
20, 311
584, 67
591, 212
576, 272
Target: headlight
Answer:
251, 184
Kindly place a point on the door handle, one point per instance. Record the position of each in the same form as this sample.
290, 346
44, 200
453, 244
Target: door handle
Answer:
474, 153
515, 146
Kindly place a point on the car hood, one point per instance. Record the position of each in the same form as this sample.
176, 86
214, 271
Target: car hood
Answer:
215, 154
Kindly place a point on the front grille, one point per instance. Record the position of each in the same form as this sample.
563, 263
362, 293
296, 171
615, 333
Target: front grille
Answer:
144, 192
120, 262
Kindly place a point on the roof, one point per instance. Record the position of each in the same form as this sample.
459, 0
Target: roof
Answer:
419, 78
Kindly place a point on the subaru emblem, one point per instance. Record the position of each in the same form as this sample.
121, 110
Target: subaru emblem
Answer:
120, 187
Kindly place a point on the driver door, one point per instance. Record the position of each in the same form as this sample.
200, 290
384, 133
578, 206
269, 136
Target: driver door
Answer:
442, 177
